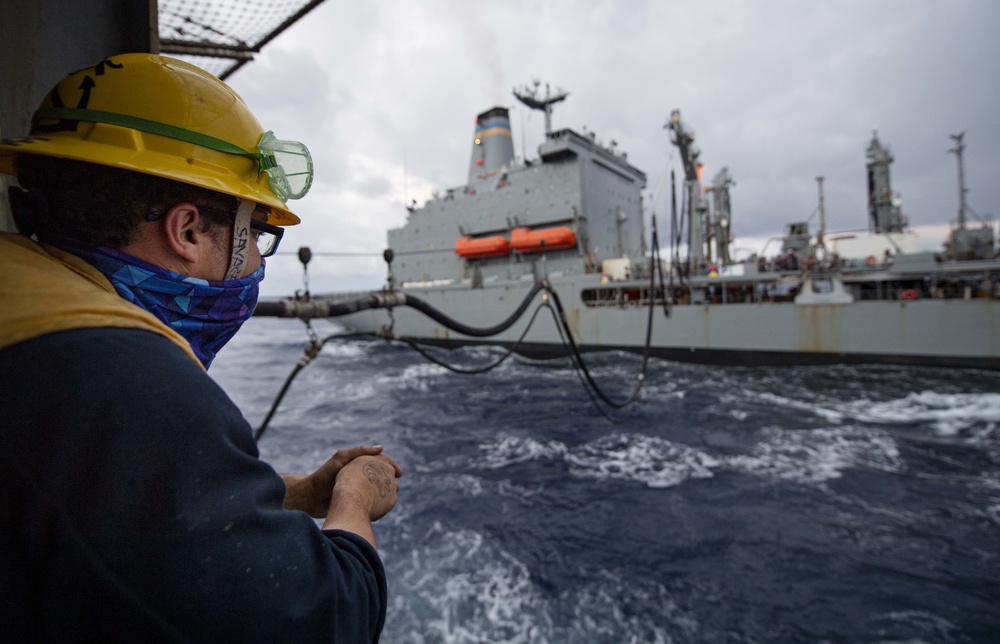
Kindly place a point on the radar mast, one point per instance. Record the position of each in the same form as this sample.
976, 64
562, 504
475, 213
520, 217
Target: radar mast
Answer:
531, 97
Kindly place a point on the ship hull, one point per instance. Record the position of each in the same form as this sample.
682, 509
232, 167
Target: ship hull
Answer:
936, 332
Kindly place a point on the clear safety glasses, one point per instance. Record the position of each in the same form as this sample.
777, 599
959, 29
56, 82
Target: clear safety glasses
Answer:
267, 237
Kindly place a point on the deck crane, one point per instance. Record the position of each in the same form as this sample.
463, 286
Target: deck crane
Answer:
694, 208
721, 215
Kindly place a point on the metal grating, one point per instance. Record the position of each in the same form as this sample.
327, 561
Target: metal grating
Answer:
220, 36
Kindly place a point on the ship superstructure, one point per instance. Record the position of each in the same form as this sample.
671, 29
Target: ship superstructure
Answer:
577, 205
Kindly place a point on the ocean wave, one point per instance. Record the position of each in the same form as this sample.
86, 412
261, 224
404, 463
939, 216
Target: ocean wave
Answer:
420, 377
460, 587
803, 456
355, 350
510, 526
817, 455
356, 391
825, 411
947, 413
918, 623
457, 588
509, 450
614, 604
634, 457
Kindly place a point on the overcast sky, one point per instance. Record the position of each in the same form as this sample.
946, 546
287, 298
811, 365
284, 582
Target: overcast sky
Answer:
385, 94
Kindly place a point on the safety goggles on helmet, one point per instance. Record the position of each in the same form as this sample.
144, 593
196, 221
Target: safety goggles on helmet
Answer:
288, 164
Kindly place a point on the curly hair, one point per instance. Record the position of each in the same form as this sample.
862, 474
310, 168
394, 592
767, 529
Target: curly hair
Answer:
100, 205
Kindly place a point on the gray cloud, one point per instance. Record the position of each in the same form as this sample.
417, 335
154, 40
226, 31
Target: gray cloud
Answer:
778, 91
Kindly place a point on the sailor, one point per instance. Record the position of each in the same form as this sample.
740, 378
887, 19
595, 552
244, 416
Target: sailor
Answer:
133, 504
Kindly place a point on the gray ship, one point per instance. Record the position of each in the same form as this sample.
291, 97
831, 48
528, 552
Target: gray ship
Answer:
572, 219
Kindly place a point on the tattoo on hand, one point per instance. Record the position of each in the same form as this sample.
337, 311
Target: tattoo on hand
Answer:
380, 476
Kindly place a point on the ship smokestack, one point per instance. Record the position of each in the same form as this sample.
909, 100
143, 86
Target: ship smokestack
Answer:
492, 148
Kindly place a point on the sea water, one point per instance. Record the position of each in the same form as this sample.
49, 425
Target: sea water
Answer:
843, 504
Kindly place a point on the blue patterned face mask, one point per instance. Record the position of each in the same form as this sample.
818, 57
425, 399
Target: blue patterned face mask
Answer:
207, 313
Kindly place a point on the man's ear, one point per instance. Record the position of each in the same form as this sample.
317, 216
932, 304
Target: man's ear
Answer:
182, 228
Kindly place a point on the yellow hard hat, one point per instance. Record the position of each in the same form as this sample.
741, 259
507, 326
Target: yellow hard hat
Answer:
168, 118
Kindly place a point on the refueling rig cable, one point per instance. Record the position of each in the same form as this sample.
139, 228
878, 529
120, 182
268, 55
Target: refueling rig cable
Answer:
315, 345
510, 351
306, 308
594, 390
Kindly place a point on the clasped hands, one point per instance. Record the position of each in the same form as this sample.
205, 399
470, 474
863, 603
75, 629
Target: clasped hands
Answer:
364, 479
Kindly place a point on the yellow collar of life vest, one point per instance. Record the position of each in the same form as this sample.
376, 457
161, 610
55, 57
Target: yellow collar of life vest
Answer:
44, 290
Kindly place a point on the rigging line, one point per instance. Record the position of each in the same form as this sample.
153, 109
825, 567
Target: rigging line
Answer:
658, 264
311, 352
579, 357
593, 390
580, 369
562, 326
419, 349
332, 254
422, 251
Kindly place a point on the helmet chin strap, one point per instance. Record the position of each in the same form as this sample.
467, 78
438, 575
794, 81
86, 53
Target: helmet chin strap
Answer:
241, 240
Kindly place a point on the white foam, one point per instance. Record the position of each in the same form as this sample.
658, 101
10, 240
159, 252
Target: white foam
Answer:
423, 370
601, 611
484, 353
923, 621
946, 414
420, 376
656, 462
509, 450
803, 456
817, 455
347, 350
467, 484
351, 391
461, 588
812, 406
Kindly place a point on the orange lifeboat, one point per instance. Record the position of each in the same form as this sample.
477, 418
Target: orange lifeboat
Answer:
478, 248
534, 241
